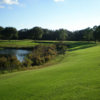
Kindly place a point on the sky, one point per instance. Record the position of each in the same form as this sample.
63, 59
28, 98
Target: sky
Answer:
52, 14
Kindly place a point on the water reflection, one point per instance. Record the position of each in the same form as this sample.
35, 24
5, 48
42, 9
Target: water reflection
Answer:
19, 53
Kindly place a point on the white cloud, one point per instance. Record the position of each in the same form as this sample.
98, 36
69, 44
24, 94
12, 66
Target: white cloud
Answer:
59, 0
2, 6
9, 2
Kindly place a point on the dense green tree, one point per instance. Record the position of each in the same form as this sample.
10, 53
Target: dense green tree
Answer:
9, 33
36, 33
46, 33
1, 28
88, 34
96, 33
61, 34
24, 34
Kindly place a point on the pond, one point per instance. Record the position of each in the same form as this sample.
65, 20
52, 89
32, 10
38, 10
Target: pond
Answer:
19, 53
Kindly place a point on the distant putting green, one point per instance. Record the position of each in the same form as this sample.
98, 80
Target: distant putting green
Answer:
75, 77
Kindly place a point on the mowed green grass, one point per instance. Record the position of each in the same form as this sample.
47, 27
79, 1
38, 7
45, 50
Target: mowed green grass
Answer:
17, 43
23, 43
75, 77
32, 43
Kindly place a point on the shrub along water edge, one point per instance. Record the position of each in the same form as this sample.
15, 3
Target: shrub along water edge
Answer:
40, 55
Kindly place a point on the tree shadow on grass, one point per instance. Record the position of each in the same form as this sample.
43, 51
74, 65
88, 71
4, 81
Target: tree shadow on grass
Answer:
3, 41
72, 45
80, 45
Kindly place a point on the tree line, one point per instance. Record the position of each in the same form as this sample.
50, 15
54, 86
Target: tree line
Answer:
38, 33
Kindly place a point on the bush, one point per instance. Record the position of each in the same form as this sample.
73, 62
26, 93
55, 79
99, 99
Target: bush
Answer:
27, 62
14, 63
3, 61
38, 60
9, 63
42, 54
61, 48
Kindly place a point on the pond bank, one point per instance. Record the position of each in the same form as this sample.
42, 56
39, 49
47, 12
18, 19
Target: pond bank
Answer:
24, 48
